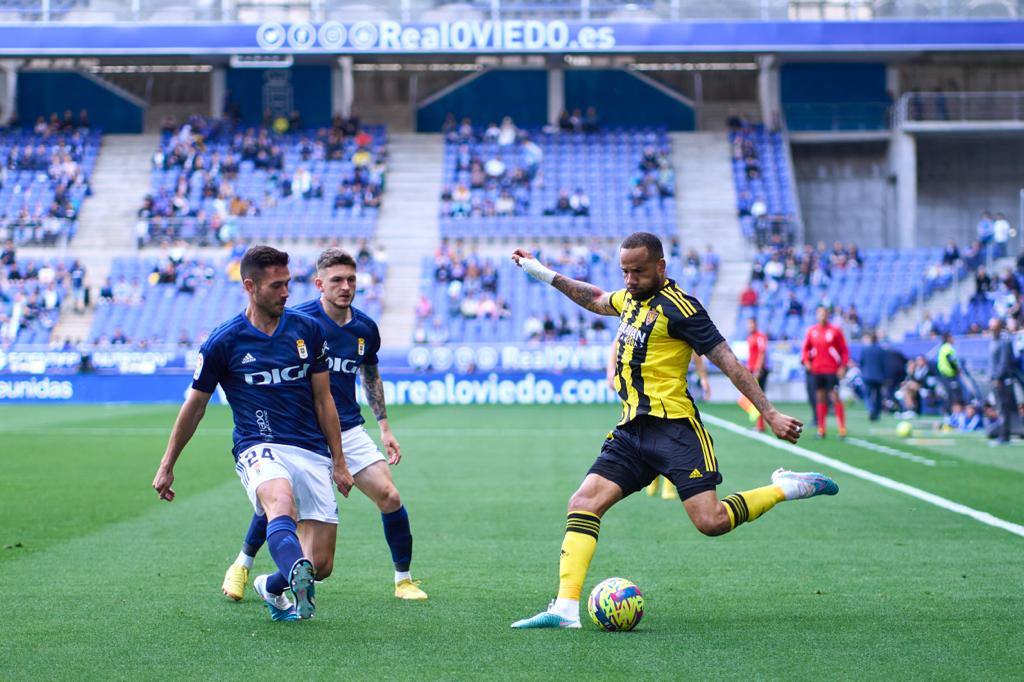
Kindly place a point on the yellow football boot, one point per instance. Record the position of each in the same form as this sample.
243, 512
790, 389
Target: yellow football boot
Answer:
235, 581
407, 589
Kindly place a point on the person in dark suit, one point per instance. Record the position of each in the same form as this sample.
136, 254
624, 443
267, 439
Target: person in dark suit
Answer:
872, 371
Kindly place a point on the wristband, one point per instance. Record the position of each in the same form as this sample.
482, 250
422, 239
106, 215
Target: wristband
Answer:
534, 268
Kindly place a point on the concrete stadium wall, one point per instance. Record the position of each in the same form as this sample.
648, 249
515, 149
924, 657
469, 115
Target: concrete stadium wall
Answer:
845, 193
958, 178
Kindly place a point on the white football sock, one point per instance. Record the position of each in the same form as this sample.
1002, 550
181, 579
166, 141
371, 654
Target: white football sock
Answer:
402, 575
245, 560
566, 608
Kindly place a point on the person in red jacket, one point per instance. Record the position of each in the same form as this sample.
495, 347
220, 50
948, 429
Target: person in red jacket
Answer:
757, 344
825, 357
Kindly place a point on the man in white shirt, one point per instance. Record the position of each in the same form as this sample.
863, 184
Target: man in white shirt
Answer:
1001, 233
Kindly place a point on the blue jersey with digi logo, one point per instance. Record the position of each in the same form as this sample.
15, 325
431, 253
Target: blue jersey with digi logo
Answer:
351, 345
267, 380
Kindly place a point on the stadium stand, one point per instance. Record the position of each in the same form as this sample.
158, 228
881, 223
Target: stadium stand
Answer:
502, 181
471, 299
863, 288
31, 294
44, 178
176, 300
213, 184
764, 189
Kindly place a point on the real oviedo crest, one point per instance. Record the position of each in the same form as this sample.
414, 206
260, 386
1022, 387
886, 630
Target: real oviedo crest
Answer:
300, 345
361, 346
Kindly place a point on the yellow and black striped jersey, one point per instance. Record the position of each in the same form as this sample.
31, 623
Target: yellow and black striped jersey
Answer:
656, 338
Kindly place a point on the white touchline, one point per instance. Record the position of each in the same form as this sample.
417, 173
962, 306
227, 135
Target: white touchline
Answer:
886, 450
955, 507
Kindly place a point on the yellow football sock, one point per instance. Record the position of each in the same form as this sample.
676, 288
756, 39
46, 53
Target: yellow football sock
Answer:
749, 505
581, 529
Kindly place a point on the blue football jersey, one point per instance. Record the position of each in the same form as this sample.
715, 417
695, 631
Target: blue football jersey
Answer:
351, 345
267, 380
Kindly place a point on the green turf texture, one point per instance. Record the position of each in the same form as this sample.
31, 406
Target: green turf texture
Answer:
110, 583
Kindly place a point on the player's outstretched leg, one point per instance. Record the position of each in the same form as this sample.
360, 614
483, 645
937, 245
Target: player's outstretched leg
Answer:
237, 574
712, 516
582, 526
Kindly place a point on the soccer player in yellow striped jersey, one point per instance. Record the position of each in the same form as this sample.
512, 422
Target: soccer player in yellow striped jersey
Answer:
660, 430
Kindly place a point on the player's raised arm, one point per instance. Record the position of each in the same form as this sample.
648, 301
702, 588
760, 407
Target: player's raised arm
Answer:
583, 294
327, 418
189, 416
784, 426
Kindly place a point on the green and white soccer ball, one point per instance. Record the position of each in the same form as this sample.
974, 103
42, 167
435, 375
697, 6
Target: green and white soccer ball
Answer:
904, 429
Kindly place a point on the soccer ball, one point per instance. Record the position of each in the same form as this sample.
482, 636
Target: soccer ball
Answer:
616, 604
904, 429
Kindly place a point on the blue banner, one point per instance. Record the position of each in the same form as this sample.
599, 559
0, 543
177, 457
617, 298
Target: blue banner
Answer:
511, 36
505, 388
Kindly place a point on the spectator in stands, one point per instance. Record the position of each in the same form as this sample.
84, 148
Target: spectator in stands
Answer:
853, 325
974, 255
950, 254
579, 202
984, 230
532, 156
982, 284
9, 254
505, 204
119, 338
564, 121
78, 291
926, 327
508, 133
794, 308
591, 123
1001, 233
562, 205
748, 299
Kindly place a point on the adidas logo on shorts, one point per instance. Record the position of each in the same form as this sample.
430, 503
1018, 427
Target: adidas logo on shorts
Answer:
248, 358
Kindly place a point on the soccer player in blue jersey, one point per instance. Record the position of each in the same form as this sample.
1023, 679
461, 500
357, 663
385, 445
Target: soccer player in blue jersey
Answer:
353, 340
272, 364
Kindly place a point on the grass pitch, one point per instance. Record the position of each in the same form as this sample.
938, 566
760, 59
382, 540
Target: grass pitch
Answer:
103, 581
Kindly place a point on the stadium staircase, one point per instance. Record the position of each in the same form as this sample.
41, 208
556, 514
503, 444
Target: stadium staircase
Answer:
408, 226
107, 220
706, 201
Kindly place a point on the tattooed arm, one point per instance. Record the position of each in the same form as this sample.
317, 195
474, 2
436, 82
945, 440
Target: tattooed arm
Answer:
784, 426
583, 294
373, 387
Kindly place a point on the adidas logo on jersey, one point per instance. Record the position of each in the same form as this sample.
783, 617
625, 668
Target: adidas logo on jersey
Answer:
248, 358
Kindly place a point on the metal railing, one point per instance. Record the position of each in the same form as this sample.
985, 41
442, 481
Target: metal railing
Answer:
257, 11
961, 107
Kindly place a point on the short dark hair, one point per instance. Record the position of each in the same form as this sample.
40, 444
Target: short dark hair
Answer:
655, 251
258, 258
334, 256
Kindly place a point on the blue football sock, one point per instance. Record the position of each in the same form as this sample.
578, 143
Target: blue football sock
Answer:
256, 536
284, 548
399, 537
277, 583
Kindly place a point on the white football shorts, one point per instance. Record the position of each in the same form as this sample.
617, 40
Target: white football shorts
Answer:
308, 472
360, 450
